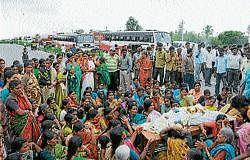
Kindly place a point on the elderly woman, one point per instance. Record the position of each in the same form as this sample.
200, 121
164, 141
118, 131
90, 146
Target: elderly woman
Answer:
222, 148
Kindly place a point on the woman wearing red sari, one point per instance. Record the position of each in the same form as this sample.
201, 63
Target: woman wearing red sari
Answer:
22, 120
144, 68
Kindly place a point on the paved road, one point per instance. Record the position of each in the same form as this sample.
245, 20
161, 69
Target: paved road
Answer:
11, 52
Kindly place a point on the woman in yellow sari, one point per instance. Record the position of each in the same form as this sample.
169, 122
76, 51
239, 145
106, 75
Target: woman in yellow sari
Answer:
61, 91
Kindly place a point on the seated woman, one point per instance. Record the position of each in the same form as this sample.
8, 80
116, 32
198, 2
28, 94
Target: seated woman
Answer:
52, 149
222, 97
209, 105
134, 85
149, 111
243, 120
167, 105
203, 99
157, 100
185, 99
72, 98
215, 126
88, 139
134, 116
100, 99
113, 103
104, 139
23, 122
177, 146
118, 138
196, 92
221, 148
94, 119
75, 149
42, 110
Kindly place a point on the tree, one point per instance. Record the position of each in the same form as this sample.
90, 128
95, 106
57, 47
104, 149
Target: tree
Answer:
208, 31
132, 24
248, 32
232, 37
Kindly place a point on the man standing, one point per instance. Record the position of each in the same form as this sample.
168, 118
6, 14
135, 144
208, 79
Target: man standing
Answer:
44, 80
188, 66
136, 56
25, 56
220, 67
112, 61
184, 50
160, 62
198, 60
125, 68
234, 66
209, 57
170, 65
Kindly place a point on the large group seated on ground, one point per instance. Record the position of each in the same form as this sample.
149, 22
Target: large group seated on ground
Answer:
87, 106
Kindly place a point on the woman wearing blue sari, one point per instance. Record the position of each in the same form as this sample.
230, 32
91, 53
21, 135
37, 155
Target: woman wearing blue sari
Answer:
222, 148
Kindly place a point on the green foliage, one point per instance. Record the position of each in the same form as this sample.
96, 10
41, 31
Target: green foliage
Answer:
231, 37
133, 25
208, 31
187, 36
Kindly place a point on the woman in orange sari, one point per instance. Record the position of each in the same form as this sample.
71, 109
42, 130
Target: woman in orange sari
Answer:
144, 68
22, 120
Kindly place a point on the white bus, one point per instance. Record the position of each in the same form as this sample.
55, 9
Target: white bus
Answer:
83, 41
135, 38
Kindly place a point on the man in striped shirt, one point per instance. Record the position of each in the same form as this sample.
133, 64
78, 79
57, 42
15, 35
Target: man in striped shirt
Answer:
112, 61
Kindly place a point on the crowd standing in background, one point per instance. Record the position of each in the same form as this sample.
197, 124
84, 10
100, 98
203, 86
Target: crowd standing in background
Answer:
88, 105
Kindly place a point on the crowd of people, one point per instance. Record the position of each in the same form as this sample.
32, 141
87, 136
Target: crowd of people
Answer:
90, 105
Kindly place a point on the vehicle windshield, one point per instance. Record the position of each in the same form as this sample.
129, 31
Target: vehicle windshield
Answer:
85, 39
162, 37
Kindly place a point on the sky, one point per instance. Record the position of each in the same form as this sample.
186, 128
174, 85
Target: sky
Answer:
29, 17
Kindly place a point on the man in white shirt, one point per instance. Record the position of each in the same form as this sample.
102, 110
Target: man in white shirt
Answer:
234, 67
209, 58
184, 49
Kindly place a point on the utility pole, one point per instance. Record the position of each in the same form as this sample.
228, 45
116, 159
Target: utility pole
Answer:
182, 29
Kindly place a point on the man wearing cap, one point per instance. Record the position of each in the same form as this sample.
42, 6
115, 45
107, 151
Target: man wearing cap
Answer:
125, 68
160, 62
112, 61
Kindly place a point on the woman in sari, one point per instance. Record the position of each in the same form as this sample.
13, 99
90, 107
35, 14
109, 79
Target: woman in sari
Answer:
144, 68
88, 67
30, 82
77, 73
60, 88
52, 149
5, 92
88, 139
222, 148
22, 120
75, 149
102, 71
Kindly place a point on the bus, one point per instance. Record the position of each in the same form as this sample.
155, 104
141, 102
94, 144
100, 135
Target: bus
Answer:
83, 41
135, 39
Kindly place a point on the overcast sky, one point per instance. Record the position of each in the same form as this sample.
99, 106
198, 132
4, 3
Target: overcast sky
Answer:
27, 17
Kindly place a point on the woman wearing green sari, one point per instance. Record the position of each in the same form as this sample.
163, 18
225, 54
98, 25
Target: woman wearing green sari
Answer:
102, 71
61, 91
77, 73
